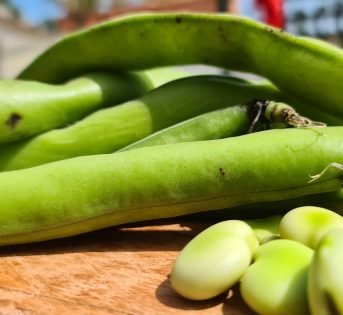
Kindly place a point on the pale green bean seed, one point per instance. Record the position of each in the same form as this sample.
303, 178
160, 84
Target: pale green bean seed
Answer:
276, 283
214, 260
325, 282
308, 224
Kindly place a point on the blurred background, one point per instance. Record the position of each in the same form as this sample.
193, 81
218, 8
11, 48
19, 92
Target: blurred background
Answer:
27, 27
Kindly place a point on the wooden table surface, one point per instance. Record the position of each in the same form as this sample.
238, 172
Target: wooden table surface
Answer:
112, 271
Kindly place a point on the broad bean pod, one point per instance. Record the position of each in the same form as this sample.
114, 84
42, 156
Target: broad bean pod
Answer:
92, 192
111, 129
304, 109
161, 76
30, 108
222, 123
304, 69
227, 122
330, 200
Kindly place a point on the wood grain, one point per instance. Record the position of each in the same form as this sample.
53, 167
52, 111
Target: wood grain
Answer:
113, 271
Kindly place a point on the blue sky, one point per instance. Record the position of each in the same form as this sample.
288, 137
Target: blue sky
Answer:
37, 11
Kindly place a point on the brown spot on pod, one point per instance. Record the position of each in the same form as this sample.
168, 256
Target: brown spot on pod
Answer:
13, 120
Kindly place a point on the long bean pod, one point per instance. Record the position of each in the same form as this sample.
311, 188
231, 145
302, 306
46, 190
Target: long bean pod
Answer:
222, 123
228, 122
331, 200
30, 108
306, 70
113, 128
92, 192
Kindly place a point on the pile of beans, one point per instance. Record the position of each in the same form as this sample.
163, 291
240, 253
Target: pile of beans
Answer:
295, 267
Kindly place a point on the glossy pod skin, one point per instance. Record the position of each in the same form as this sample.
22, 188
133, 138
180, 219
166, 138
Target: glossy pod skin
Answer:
111, 129
306, 70
302, 108
30, 108
92, 192
222, 123
161, 76
227, 122
331, 200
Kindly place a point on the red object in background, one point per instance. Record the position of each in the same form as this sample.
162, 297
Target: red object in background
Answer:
273, 12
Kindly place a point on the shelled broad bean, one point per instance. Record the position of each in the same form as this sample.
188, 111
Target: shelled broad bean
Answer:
297, 267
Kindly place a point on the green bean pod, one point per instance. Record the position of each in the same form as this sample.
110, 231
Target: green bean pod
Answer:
111, 129
222, 123
30, 108
304, 109
225, 123
306, 70
331, 200
161, 76
91, 192
325, 281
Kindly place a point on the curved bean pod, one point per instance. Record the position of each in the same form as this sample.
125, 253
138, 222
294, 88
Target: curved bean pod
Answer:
161, 76
325, 282
304, 109
225, 123
111, 129
228, 122
222, 123
307, 70
30, 108
214, 260
92, 192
